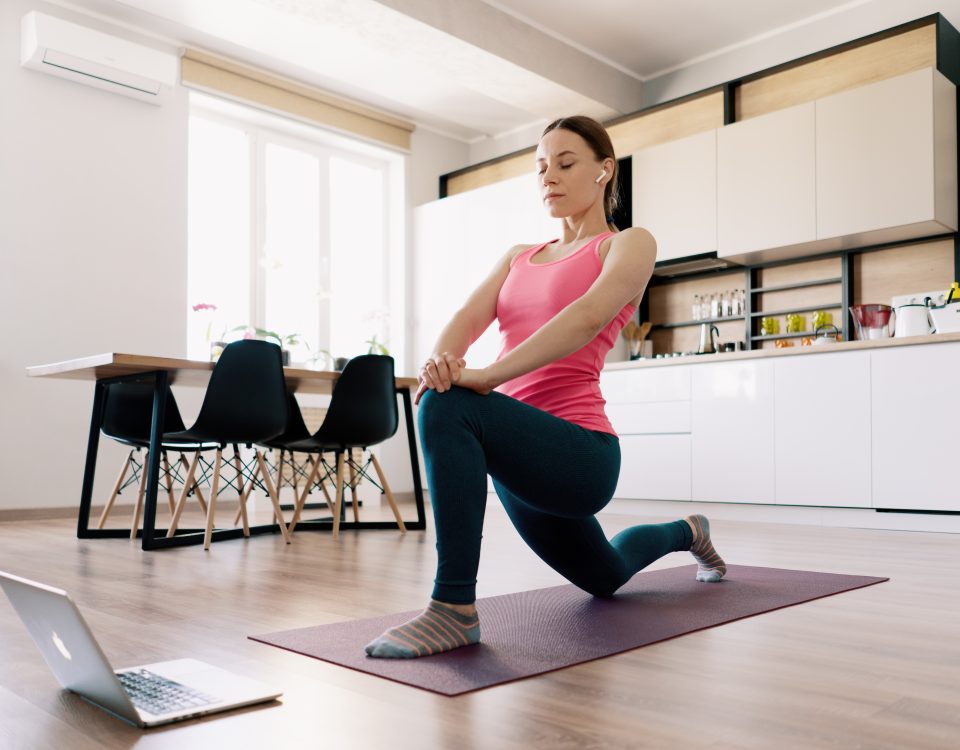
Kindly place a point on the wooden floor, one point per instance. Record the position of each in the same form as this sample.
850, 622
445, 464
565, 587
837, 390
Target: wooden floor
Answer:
873, 668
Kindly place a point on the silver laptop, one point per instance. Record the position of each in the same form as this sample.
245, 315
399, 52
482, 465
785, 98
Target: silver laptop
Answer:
146, 696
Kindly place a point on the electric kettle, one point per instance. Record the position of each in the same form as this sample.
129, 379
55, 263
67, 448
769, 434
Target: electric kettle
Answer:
709, 343
913, 320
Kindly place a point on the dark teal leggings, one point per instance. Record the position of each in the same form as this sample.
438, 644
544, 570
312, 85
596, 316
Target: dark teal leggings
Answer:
552, 477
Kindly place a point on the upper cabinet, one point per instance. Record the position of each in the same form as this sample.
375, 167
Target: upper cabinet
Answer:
766, 182
675, 194
887, 160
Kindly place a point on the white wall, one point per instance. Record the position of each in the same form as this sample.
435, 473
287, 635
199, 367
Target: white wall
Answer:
92, 255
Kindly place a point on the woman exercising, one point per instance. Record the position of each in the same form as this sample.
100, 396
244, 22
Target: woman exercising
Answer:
534, 419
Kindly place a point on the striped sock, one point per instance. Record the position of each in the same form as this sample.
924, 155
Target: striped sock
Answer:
438, 628
710, 566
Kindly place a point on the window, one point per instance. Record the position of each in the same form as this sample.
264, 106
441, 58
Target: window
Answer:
289, 231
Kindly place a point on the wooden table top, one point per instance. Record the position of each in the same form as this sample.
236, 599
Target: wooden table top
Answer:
189, 372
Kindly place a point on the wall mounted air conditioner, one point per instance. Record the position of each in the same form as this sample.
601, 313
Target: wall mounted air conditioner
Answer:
84, 55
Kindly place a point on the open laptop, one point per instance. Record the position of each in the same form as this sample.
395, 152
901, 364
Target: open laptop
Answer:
147, 696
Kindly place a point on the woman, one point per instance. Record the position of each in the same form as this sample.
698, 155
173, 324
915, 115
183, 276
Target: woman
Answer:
534, 419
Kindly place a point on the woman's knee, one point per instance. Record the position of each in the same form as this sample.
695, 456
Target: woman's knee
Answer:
439, 410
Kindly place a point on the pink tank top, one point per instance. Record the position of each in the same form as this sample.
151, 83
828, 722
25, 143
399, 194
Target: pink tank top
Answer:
531, 295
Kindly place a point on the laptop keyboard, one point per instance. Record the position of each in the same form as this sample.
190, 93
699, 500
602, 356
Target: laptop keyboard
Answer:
158, 695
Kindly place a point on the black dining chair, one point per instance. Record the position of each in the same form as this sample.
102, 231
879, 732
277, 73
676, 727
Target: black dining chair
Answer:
362, 413
127, 416
286, 467
245, 404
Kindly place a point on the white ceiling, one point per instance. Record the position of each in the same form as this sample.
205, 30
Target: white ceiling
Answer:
468, 68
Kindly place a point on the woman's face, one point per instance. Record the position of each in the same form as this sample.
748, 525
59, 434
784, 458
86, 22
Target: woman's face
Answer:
567, 170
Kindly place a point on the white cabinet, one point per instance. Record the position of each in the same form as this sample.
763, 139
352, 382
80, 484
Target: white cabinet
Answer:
650, 410
654, 467
887, 159
822, 432
733, 432
457, 242
766, 182
675, 194
916, 401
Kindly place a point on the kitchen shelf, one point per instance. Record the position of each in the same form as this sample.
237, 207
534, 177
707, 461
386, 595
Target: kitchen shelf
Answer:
798, 285
775, 313
685, 323
774, 336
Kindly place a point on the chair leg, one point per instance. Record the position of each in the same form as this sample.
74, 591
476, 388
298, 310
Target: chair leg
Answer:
353, 487
274, 498
298, 508
242, 509
212, 505
191, 472
326, 494
169, 483
339, 489
388, 493
196, 490
138, 506
241, 493
116, 490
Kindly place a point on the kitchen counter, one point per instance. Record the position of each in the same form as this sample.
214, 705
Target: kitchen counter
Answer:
790, 351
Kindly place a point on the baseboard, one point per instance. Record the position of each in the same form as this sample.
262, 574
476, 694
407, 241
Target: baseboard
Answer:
859, 518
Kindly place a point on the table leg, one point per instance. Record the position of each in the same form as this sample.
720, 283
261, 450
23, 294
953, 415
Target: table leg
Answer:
90, 469
421, 522
153, 468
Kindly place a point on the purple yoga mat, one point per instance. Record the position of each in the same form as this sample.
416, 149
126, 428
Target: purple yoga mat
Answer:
537, 631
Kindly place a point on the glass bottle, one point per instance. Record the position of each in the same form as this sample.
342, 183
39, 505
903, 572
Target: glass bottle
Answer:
714, 306
725, 304
696, 307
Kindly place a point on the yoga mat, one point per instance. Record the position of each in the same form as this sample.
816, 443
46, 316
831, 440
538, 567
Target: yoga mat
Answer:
538, 631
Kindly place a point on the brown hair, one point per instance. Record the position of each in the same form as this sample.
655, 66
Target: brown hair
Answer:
599, 142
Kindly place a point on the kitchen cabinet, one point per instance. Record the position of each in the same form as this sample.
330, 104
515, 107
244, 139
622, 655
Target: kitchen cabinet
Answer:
654, 467
822, 429
650, 411
886, 160
457, 242
732, 439
915, 400
675, 194
766, 189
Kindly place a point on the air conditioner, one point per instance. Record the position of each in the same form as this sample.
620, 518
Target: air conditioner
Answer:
77, 53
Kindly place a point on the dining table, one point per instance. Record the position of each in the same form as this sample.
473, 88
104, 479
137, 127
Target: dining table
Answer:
115, 367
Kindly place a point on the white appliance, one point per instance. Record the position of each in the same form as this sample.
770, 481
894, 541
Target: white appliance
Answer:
946, 319
84, 55
913, 320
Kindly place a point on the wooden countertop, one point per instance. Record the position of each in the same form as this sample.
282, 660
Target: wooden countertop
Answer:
790, 351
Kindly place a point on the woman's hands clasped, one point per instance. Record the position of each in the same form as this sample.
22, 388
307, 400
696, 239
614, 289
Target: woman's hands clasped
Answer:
442, 371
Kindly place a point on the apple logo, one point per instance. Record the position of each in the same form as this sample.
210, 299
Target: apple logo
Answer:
61, 647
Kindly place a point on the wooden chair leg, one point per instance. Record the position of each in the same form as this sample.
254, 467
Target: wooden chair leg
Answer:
388, 493
169, 483
326, 494
298, 508
212, 505
274, 498
339, 489
242, 509
353, 488
116, 490
191, 472
138, 506
278, 462
196, 490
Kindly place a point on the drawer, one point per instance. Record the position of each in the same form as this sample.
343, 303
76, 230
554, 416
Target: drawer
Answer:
644, 385
654, 467
657, 418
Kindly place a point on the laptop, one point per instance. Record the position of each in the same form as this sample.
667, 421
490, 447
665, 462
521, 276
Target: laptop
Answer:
148, 695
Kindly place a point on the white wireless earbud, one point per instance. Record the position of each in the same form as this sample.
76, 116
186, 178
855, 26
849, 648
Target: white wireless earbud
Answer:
602, 175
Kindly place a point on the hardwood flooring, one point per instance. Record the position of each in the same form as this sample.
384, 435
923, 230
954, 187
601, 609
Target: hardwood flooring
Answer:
873, 668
